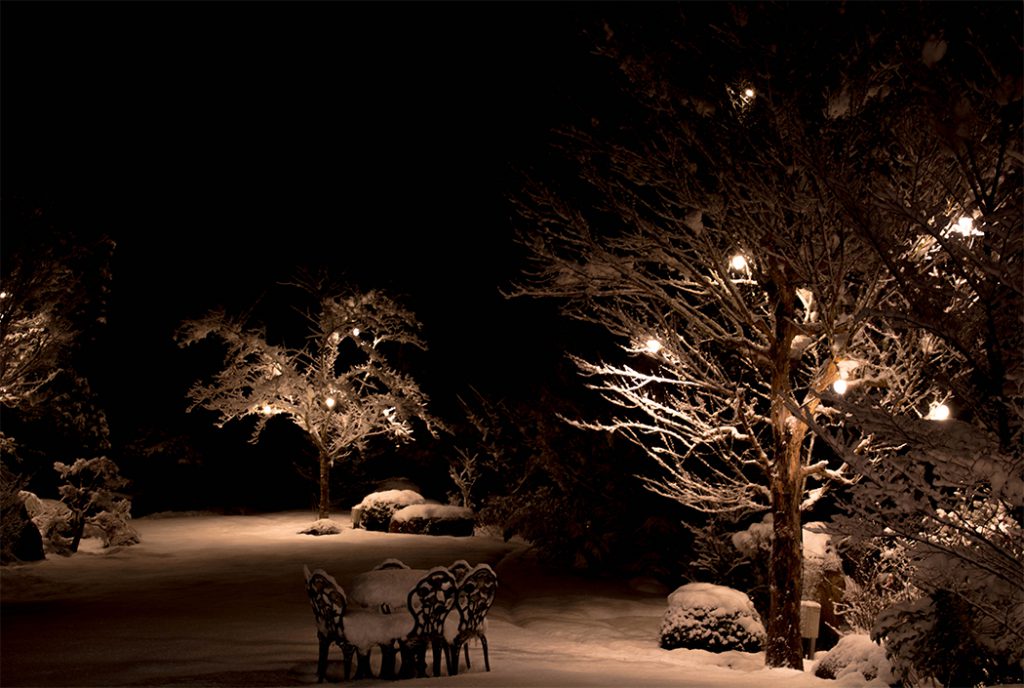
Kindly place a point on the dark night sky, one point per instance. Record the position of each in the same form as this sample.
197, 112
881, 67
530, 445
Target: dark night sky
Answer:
222, 145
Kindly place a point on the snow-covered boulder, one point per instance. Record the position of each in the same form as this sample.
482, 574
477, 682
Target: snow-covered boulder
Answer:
433, 519
856, 653
377, 508
703, 616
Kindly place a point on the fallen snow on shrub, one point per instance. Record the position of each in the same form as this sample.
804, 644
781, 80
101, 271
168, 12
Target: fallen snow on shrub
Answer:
433, 519
432, 511
377, 508
702, 616
855, 654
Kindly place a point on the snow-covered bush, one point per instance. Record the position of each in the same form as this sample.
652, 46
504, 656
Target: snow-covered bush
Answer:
822, 571
433, 519
856, 653
703, 616
19, 537
880, 576
377, 508
90, 493
942, 637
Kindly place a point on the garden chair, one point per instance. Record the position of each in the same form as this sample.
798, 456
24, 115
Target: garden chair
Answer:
430, 601
459, 569
390, 564
476, 595
328, 602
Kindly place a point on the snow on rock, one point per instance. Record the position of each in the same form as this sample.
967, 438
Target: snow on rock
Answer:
855, 654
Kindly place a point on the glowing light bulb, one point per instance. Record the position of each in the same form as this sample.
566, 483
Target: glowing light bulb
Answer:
355, 331
839, 386
965, 225
652, 345
267, 410
738, 263
939, 412
329, 402
748, 93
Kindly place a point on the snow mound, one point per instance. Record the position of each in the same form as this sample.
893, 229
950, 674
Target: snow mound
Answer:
392, 497
323, 526
855, 654
710, 596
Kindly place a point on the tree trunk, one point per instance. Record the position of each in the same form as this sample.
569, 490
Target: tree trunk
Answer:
785, 483
325, 487
783, 627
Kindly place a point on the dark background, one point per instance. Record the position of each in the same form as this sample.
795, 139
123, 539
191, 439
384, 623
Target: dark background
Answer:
224, 146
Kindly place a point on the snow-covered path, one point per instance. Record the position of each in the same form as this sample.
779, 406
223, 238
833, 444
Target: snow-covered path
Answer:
219, 601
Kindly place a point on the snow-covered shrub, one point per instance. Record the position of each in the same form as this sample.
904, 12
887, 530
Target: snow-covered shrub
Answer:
90, 493
703, 616
880, 576
377, 508
942, 637
856, 653
433, 519
822, 572
19, 537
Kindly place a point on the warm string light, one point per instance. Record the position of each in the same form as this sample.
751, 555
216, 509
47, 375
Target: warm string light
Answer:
652, 346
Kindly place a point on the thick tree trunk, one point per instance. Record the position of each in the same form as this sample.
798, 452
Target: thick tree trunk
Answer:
325, 487
786, 487
783, 625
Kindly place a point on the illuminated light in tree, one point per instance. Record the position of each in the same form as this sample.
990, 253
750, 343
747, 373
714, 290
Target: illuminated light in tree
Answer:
839, 386
329, 402
355, 331
964, 227
3, 295
749, 93
939, 412
738, 263
266, 410
652, 346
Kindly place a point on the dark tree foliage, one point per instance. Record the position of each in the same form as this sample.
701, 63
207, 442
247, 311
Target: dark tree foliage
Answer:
54, 290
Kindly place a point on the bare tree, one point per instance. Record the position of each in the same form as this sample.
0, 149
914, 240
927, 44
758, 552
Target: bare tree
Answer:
338, 386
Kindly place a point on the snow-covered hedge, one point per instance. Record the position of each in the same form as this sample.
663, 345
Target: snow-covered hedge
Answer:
433, 519
702, 616
856, 653
377, 508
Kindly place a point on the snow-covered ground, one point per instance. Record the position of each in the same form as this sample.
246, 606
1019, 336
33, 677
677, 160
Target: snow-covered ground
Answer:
210, 600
